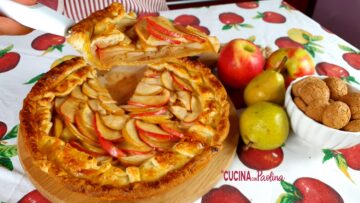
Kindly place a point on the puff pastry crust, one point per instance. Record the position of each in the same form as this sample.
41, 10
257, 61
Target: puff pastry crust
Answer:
112, 37
65, 154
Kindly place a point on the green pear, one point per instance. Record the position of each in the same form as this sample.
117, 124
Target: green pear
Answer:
267, 86
264, 126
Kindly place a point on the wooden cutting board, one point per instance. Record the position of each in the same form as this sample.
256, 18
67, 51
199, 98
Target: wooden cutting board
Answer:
188, 191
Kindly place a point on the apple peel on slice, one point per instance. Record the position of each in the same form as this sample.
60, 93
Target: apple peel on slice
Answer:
154, 131
172, 129
154, 143
110, 148
181, 84
133, 149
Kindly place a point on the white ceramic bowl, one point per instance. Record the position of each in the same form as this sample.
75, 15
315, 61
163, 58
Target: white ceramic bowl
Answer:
315, 134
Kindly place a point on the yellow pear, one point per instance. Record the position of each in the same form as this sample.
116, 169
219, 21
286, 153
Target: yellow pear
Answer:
267, 86
264, 126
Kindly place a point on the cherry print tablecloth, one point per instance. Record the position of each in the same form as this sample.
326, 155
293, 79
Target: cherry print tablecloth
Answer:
304, 171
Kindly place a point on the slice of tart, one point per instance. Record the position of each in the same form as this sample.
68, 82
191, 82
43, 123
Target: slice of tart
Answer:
112, 37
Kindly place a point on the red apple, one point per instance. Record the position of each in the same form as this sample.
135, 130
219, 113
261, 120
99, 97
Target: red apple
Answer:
271, 17
239, 62
48, 42
230, 18
261, 159
224, 194
331, 70
353, 59
352, 56
34, 197
352, 156
8, 60
186, 20
248, 5
3, 129
314, 190
299, 63
306, 189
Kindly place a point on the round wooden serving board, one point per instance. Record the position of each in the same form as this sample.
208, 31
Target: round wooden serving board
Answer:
188, 191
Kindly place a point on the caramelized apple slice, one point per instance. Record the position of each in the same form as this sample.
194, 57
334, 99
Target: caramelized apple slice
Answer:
151, 73
181, 84
150, 101
196, 110
67, 135
155, 143
112, 108
88, 91
179, 111
58, 127
152, 81
167, 80
105, 132
164, 118
185, 99
144, 35
149, 112
135, 160
189, 149
173, 98
138, 109
74, 131
83, 120
172, 129
77, 93
133, 149
96, 149
162, 25
110, 148
131, 135
115, 122
69, 107
147, 89
154, 131
95, 84
58, 102
161, 36
95, 106
82, 148
106, 98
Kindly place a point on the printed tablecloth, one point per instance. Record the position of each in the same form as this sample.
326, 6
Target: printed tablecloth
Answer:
24, 59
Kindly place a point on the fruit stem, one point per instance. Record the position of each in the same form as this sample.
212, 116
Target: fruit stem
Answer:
281, 65
246, 147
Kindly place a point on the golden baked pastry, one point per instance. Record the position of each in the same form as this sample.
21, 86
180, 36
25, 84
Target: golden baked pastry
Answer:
173, 123
112, 37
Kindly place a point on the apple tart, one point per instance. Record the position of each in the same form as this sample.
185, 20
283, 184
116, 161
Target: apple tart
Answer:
112, 37
173, 123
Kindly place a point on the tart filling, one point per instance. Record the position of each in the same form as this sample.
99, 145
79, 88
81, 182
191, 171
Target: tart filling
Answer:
174, 121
